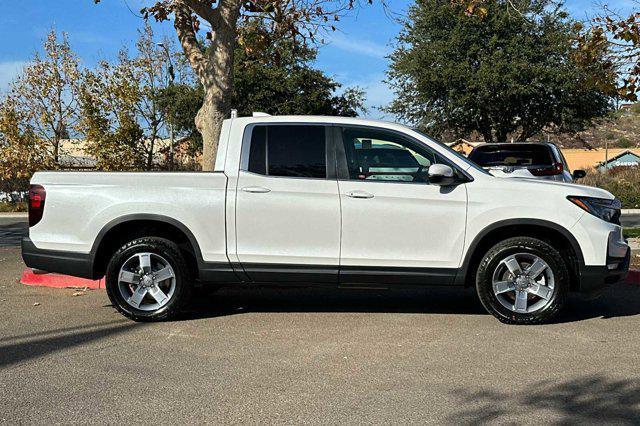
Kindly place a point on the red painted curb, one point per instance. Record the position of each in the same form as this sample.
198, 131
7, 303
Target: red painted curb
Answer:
58, 281
633, 278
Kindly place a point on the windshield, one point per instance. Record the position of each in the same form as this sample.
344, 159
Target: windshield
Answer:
454, 152
512, 155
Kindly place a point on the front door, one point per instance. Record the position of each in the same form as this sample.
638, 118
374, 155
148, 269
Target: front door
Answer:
396, 227
287, 206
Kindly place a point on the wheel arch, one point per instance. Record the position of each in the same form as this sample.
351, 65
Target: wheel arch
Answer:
122, 229
537, 228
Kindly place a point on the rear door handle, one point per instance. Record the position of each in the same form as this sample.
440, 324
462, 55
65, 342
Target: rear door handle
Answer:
359, 194
256, 189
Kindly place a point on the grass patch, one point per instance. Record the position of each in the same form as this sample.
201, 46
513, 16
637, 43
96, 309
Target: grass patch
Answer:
631, 232
13, 207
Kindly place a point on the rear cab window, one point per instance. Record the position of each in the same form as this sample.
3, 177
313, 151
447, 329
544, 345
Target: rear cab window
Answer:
288, 151
512, 155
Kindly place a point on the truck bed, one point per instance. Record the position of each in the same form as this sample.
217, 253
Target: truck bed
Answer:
79, 205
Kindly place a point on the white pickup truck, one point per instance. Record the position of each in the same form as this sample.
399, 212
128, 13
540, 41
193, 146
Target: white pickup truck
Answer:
327, 201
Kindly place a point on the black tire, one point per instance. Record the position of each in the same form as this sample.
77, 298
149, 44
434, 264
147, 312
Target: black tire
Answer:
183, 278
527, 245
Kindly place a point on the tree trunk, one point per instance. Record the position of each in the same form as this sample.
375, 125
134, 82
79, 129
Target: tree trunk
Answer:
214, 70
213, 111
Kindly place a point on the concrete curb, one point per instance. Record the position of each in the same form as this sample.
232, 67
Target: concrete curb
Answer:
12, 215
633, 278
58, 281
630, 211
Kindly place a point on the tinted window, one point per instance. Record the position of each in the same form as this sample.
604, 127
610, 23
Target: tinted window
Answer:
373, 154
512, 155
294, 151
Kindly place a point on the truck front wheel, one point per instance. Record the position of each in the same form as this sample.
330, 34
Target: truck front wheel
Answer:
148, 279
523, 280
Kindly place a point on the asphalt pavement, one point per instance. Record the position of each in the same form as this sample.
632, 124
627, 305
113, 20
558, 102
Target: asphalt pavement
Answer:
315, 356
12, 229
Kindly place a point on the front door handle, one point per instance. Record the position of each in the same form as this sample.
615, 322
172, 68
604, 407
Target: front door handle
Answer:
359, 194
256, 189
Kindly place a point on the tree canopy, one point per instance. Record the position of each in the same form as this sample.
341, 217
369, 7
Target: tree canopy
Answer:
278, 79
499, 72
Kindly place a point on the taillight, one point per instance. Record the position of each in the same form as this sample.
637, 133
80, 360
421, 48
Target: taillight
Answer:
37, 196
555, 169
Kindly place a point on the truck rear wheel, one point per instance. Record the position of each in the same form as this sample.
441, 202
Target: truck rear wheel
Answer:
523, 280
148, 279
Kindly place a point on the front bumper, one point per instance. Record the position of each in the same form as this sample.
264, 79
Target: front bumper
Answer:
62, 262
594, 278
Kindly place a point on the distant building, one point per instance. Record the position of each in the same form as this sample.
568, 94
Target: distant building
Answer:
627, 158
73, 154
583, 159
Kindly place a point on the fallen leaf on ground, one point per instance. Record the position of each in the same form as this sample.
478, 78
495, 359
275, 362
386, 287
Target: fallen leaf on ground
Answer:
78, 293
36, 304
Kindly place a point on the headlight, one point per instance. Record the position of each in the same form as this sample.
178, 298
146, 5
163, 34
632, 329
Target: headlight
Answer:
607, 210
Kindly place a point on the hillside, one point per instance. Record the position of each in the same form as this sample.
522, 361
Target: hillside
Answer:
621, 130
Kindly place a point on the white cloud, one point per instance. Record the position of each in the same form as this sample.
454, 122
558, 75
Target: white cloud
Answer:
377, 94
9, 70
360, 47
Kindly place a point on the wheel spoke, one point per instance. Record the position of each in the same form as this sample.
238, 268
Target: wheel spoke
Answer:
503, 287
129, 277
164, 274
521, 301
513, 265
158, 294
137, 296
536, 268
541, 291
145, 261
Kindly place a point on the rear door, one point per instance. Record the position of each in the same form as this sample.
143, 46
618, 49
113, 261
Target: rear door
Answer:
287, 205
396, 227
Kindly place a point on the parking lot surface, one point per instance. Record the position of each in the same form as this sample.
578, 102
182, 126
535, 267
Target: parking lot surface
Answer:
315, 356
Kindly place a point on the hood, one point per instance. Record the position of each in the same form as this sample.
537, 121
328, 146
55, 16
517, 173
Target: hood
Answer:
563, 188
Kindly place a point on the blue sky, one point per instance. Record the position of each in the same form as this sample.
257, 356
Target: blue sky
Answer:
355, 55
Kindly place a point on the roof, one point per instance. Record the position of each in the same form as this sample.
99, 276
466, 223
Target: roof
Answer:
619, 155
326, 119
588, 158
517, 143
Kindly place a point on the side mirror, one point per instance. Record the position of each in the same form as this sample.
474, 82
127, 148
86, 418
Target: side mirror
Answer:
441, 174
578, 174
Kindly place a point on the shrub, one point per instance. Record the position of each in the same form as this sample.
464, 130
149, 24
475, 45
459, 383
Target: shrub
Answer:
623, 182
624, 143
13, 207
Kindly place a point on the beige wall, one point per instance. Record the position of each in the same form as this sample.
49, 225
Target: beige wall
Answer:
586, 159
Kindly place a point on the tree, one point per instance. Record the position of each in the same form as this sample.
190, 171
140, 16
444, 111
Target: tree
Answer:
45, 94
509, 70
108, 118
22, 152
276, 78
612, 36
299, 20
617, 38
121, 116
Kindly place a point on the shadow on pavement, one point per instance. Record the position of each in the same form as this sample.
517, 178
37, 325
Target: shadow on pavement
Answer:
593, 399
618, 301
17, 349
12, 231
231, 301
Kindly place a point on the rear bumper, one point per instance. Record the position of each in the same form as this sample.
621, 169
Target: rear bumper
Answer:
63, 262
594, 278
